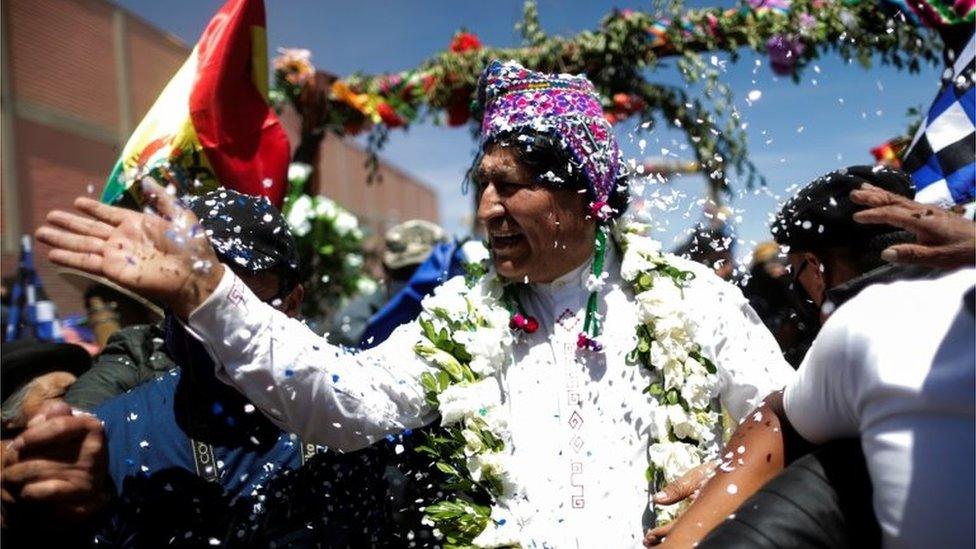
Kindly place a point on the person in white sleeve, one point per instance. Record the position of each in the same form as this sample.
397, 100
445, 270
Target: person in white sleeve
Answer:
573, 374
896, 368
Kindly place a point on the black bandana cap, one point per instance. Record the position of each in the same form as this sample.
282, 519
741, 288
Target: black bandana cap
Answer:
247, 232
821, 215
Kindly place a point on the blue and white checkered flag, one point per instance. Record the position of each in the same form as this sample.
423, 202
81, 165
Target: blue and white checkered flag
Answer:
942, 156
31, 314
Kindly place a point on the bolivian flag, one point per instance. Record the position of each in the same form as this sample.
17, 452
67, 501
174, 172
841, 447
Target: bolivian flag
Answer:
212, 125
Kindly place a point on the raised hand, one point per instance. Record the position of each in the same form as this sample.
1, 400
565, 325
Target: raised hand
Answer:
162, 254
944, 240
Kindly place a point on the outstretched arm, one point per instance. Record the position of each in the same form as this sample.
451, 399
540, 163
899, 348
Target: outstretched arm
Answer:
820, 401
299, 381
754, 454
303, 384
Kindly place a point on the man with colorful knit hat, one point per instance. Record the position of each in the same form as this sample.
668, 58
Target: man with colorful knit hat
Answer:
572, 375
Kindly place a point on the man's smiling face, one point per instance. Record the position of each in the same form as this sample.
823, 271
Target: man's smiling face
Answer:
535, 232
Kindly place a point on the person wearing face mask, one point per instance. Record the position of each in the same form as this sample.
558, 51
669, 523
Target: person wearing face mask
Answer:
573, 374
831, 256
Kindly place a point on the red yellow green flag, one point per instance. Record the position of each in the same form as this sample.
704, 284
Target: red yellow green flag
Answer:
212, 125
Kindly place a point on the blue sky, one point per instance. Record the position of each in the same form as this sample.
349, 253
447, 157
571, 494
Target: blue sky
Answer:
796, 131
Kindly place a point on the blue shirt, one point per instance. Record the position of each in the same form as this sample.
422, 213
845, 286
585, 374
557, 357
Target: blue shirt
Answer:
145, 438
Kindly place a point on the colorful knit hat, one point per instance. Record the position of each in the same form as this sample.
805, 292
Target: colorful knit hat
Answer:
564, 106
517, 100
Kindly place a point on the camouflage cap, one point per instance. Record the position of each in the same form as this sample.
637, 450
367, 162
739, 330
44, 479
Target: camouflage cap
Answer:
410, 242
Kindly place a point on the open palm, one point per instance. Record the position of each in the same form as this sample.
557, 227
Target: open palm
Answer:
165, 258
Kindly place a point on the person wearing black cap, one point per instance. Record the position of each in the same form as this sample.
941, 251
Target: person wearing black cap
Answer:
33, 373
184, 429
832, 256
249, 236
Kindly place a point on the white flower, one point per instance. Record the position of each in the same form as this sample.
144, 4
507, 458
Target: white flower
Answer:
596, 283
448, 299
475, 251
694, 367
683, 424
326, 207
354, 261
674, 458
496, 421
472, 442
497, 466
662, 300
501, 531
698, 390
366, 285
648, 247
485, 347
346, 223
463, 400
298, 216
633, 264
659, 421
674, 334
298, 172
673, 371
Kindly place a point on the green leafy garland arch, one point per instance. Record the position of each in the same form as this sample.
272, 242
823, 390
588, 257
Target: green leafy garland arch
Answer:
620, 57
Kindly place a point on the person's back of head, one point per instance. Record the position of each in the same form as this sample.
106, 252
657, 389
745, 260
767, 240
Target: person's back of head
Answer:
825, 246
711, 247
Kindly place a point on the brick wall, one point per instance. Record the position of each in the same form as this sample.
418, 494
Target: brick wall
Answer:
61, 56
153, 59
398, 197
63, 106
53, 168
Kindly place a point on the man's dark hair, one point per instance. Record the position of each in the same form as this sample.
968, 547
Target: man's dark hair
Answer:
864, 255
555, 167
820, 218
707, 246
821, 215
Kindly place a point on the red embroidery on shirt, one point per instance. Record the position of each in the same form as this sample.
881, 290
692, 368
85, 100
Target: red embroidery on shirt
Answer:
236, 294
576, 499
564, 319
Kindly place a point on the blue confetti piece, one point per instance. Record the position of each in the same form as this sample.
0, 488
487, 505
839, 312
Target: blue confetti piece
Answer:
407, 432
335, 378
390, 438
231, 422
217, 409
289, 372
130, 462
501, 522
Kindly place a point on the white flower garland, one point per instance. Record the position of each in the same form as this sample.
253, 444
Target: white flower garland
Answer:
468, 339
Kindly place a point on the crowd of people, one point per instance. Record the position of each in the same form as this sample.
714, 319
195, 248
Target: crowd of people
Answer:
566, 384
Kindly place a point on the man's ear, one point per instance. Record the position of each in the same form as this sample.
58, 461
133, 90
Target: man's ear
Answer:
292, 304
818, 273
